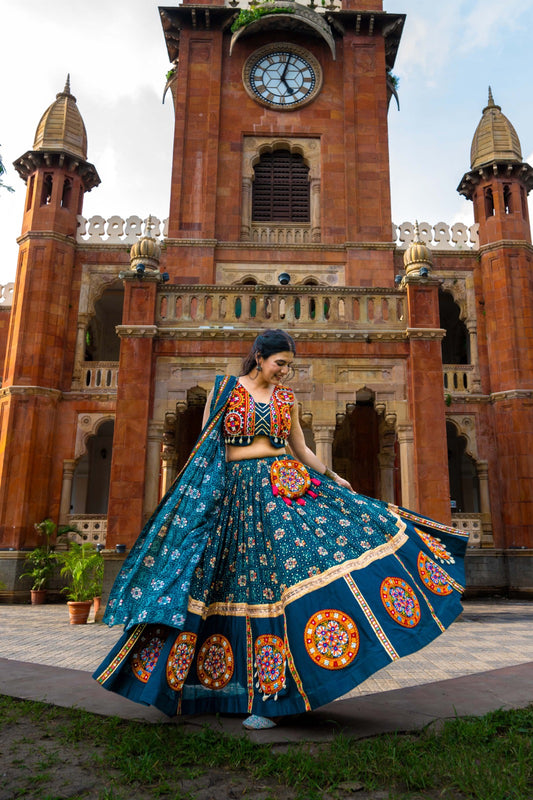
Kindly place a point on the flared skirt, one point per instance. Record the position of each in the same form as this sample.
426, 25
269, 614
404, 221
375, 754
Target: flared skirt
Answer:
289, 606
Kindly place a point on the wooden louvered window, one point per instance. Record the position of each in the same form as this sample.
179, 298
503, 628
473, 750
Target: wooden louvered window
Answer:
281, 188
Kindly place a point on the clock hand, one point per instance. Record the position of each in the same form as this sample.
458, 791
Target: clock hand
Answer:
290, 90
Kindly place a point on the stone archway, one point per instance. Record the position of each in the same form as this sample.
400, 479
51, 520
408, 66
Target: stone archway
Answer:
356, 445
92, 471
464, 481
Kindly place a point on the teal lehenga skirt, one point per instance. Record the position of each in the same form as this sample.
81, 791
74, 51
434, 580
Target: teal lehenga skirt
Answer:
280, 608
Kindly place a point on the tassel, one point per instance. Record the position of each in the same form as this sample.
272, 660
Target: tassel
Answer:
316, 481
287, 501
312, 494
301, 501
275, 490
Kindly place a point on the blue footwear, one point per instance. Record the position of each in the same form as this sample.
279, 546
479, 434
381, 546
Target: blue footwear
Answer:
257, 723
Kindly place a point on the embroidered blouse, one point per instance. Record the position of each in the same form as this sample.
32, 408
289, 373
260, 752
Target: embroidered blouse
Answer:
245, 417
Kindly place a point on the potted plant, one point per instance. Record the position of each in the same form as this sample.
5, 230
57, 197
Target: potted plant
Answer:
40, 562
98, 580
80, 565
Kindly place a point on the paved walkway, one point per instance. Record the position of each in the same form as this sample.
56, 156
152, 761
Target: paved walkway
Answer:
484, 661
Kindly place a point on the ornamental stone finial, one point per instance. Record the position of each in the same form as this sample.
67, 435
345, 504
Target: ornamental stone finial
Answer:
417, 254
147, 250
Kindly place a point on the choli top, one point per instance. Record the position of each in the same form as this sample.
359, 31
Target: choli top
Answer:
245, 418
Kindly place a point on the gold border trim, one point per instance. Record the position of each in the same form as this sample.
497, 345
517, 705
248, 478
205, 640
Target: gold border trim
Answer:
264, 610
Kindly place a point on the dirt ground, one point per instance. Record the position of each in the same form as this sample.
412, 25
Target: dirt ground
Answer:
38, 766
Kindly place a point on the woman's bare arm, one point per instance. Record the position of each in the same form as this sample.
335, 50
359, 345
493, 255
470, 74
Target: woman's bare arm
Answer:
302, 451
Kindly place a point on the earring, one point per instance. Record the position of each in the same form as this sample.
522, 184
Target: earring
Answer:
259, 368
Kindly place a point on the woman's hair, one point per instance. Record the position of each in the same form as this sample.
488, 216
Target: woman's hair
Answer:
266, 344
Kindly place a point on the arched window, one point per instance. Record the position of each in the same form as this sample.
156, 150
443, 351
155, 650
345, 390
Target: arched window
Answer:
67, 193
281, 188
101, 341
46, 197
456, 343
464, 482
507, 199
90, 486
489, 203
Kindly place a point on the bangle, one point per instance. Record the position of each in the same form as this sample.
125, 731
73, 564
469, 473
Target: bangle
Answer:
330, 474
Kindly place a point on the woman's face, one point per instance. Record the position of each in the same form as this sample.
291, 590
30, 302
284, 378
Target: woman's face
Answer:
277, 367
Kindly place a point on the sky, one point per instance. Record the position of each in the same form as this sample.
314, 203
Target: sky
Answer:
117, 59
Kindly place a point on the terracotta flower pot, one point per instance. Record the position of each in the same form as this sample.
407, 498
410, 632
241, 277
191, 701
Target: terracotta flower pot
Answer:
79, 611
96, 603
38, 597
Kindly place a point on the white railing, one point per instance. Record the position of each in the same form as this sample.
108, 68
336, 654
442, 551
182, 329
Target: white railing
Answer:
440, 236
116, 230
100, 376
92, 528
6, 294
458, 377
341, 308
330, 5
471, 524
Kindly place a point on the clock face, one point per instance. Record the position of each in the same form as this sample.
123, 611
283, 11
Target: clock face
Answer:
282, 76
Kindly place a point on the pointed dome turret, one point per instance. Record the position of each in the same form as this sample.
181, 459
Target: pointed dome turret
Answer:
495, 139
61, 128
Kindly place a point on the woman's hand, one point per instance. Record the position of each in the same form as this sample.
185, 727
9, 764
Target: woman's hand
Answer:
343, 482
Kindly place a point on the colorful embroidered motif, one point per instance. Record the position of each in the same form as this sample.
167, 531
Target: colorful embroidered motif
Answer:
331, 639
290, 481
433, 577
180, 660
215, 662
270, 665
273, 418
401, 602
144, 657
437, 547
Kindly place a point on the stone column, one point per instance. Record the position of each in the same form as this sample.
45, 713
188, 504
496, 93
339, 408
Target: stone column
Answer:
168, 454
324, 440
153, 464
386, 466
246, 215
69, 466
79, 357
407, 468
474, 358
315, 209
482, 468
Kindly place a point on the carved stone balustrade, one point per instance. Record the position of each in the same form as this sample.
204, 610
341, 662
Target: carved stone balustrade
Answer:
367, 312
92, 528
471, 524
100, 376
270, 233
119, 231
458, 378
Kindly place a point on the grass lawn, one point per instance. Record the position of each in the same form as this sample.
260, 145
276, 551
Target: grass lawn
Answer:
51, 753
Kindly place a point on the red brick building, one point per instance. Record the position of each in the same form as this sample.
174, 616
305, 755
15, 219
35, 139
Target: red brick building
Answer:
415, 349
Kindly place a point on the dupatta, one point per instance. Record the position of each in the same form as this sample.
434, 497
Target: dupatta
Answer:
153, 584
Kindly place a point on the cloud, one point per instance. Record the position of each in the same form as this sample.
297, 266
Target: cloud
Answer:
487, 22
437, 35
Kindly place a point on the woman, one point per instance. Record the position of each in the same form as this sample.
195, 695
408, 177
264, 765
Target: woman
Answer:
263, 584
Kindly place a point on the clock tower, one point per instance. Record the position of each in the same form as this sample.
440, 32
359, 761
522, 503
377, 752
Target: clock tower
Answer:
281, 147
